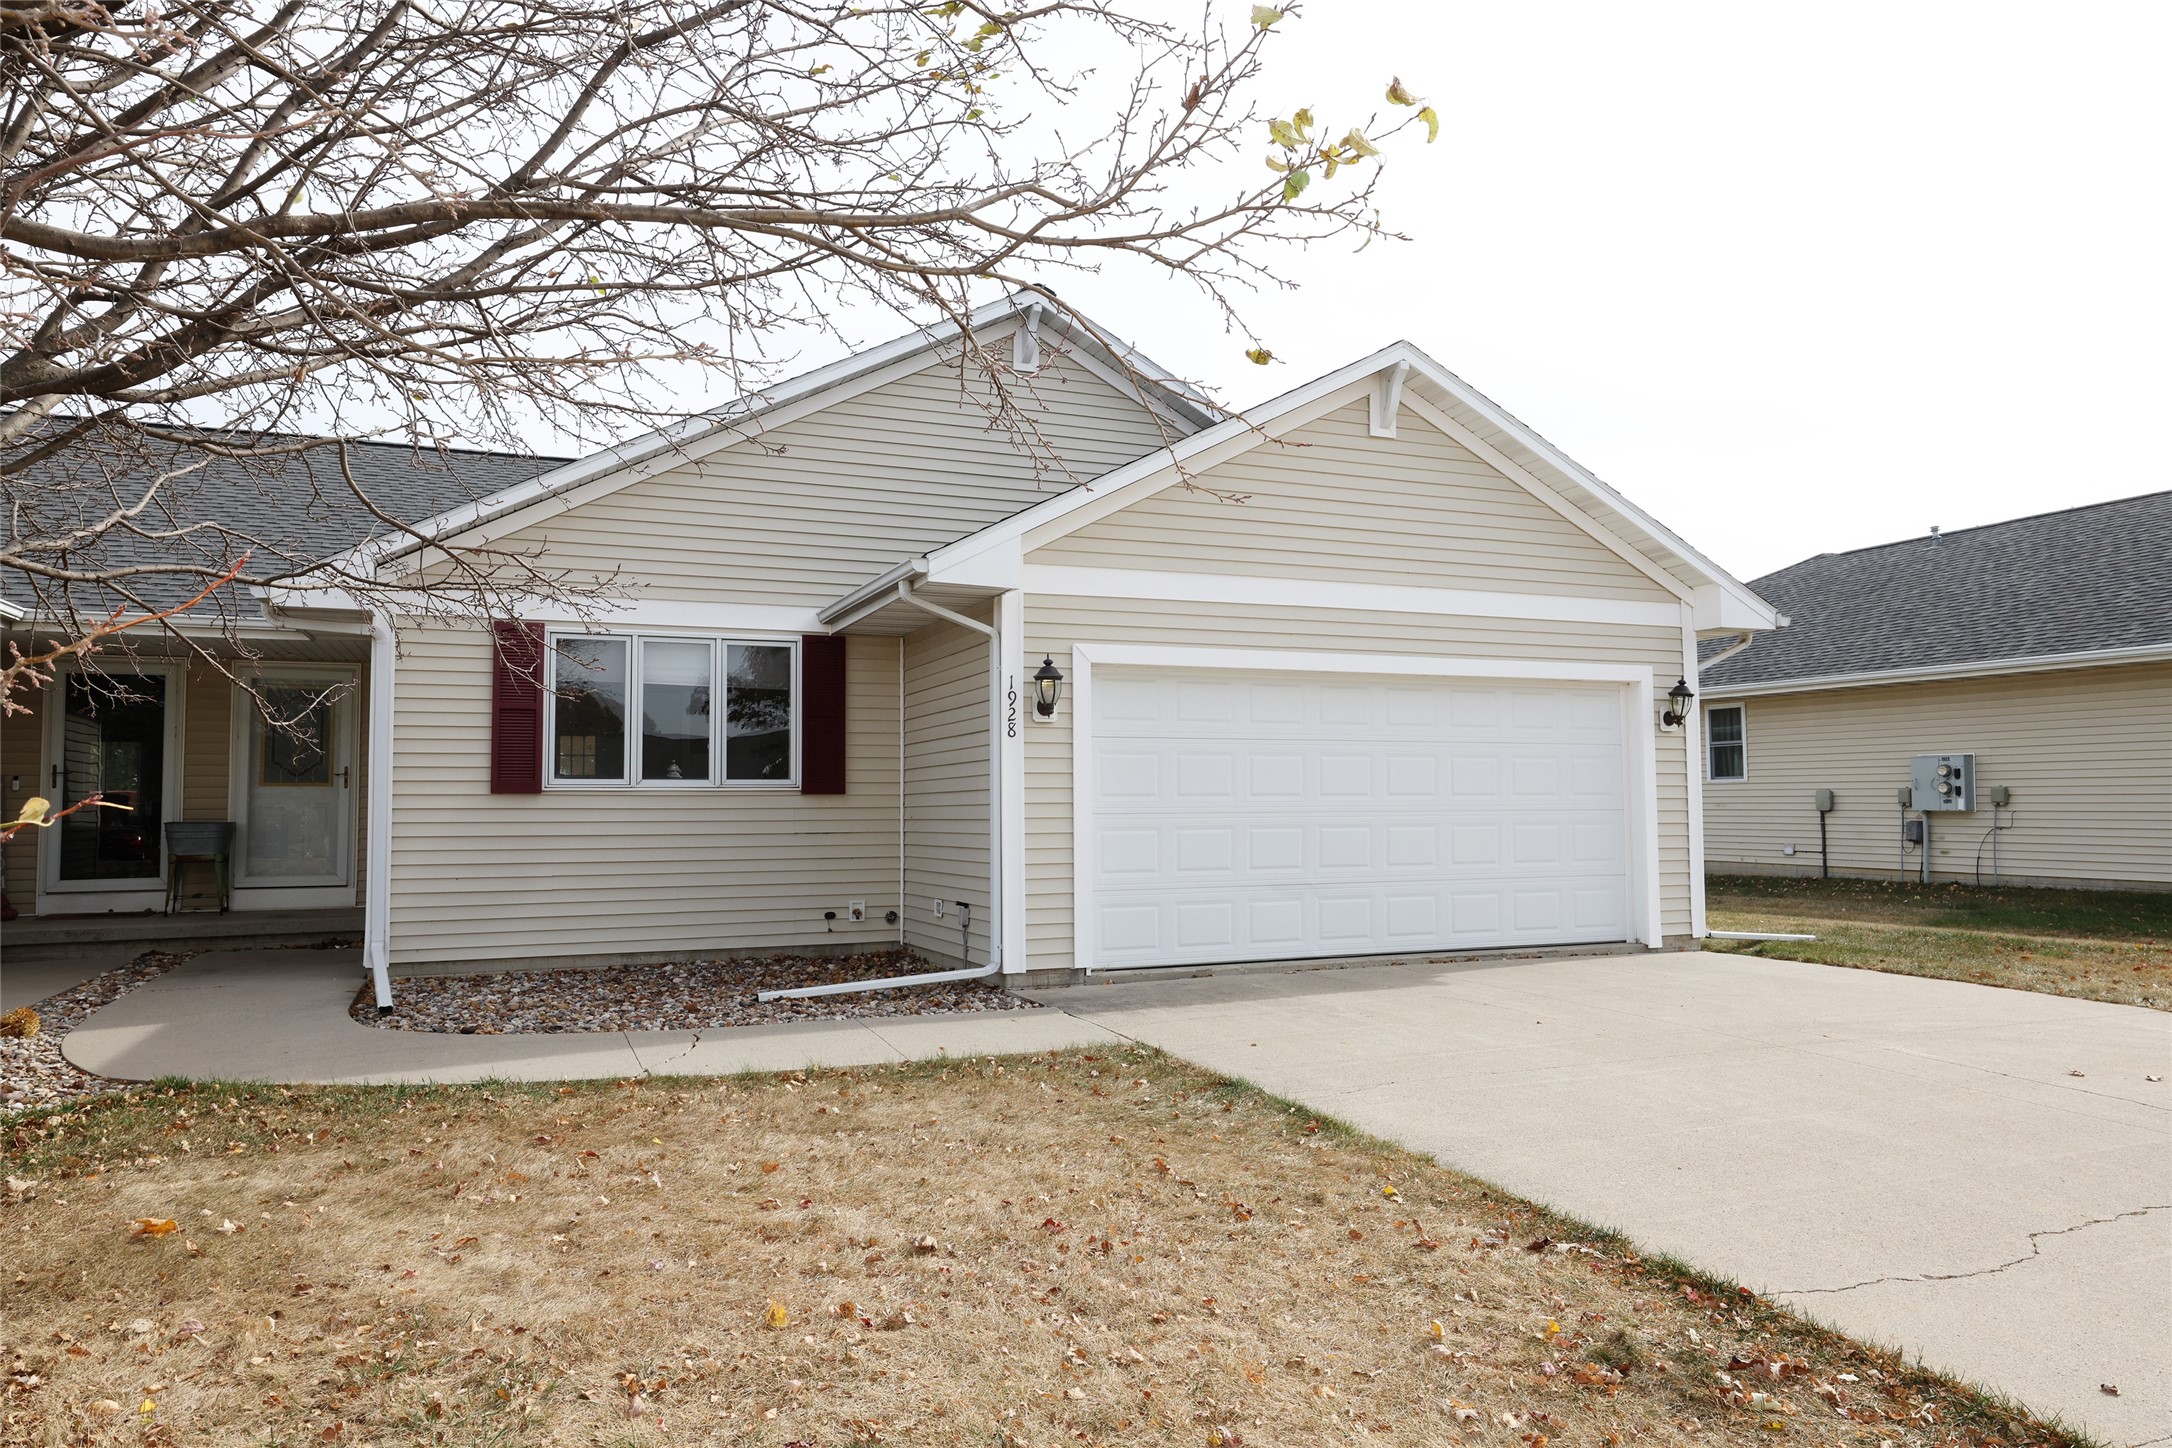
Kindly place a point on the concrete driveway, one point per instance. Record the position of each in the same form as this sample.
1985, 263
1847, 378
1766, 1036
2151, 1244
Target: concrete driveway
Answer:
1980, 1177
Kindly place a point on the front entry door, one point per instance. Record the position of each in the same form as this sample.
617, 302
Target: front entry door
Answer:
293, 776
114, 738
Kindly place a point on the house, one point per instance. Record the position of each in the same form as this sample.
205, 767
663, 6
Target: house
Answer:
1372, 669
2039, 649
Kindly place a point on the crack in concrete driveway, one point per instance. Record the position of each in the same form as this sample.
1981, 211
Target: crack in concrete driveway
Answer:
2035, 1251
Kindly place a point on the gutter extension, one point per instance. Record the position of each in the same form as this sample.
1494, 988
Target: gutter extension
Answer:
994, 966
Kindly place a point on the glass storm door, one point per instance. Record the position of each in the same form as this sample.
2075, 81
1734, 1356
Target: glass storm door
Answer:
296, 783
113, 745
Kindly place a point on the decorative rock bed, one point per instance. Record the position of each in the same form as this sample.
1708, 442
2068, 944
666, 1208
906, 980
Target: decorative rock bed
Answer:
33, 1072
679, 996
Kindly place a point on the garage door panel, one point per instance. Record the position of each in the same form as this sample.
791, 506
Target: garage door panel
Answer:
1260, 817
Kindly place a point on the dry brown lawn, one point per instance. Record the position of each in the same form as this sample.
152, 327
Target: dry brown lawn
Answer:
1043, 1251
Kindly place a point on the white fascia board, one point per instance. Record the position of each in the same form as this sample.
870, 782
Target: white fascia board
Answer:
1173, 587
12, 611
1728, 610
1974, 669
1566, 508
1432, 666
1160, 468
613, 614
1479, 403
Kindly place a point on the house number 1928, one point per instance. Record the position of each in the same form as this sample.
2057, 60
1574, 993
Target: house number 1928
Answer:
1010, 708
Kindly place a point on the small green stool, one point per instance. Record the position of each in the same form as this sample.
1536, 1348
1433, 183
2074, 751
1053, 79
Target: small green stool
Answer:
198, 842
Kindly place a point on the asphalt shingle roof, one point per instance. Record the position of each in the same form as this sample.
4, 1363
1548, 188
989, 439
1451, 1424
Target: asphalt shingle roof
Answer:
2090, 578
297, 506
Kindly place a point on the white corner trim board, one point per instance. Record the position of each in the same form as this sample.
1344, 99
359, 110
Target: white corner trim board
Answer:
1639, 752
1085, 582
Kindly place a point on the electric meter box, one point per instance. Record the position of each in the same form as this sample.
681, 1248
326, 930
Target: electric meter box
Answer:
1943, 782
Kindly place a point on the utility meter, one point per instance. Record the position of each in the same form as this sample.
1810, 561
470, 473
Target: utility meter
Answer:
1943, 782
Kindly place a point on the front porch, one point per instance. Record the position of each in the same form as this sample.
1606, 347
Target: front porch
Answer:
36, 939
181, 740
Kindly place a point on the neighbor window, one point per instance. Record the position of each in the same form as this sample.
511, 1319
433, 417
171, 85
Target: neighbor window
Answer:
1725, 748
712, 711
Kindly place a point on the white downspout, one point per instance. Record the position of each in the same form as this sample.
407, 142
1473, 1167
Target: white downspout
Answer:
377, 885
995, 828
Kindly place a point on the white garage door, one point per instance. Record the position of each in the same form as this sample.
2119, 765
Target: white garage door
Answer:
1281, 816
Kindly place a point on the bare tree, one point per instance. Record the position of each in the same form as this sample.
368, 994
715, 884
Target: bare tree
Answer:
238, 232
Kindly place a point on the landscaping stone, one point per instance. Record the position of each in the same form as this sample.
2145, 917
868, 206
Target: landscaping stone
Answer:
32, 1070
678, 996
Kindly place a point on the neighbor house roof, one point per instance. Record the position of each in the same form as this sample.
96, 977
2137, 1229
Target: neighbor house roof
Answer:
297, 505
2086, 585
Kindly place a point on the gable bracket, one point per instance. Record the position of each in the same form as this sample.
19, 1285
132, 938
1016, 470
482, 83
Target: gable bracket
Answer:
1026, 342
1388, 399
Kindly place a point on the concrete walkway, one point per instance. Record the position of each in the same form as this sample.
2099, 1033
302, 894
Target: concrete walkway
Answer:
281, 1015
1981, 1177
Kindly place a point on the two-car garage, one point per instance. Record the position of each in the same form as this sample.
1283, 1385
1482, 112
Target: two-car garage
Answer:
1241, 814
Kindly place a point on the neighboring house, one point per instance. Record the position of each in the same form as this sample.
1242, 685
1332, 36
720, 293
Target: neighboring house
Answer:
1371, 670
2042, 646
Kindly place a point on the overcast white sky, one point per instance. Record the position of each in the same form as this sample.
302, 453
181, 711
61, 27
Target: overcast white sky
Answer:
1796, 280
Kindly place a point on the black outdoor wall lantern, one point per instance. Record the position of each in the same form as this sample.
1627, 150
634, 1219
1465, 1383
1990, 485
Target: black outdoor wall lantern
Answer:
1678, 714
1047, 687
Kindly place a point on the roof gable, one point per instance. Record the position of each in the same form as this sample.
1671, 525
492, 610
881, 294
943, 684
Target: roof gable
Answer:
1174, 408
819, 503
1401, 373
1336, 501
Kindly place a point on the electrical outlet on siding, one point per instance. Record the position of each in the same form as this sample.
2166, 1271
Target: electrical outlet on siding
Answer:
856, 911
938, 908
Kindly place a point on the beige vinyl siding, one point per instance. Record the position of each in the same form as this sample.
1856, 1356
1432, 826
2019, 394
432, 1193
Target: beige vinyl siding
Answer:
22, 753
808, 511
1054, 624
1331, 502
2086, 752
946, 786
626, 872
206, 766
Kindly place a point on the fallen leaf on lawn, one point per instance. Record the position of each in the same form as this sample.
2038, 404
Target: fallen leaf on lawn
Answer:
1538, 1245
770, 1166
1439, 1332
229, 1227
1463, 1411
2110, 1390
155, 1226
776, 1316
925, 1243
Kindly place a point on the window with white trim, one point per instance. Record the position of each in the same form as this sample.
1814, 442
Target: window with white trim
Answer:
1726, 745
671, 711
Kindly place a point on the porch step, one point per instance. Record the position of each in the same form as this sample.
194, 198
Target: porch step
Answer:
35, 938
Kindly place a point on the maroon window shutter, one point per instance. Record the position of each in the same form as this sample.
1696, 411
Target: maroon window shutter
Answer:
822, 714
516, 708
